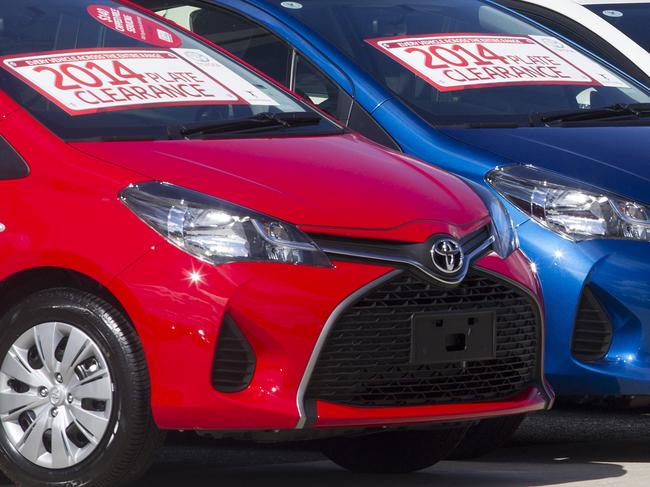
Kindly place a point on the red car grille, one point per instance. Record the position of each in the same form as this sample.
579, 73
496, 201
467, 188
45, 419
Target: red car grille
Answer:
366, 360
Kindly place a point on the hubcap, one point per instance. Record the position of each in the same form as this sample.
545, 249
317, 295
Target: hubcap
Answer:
56, 395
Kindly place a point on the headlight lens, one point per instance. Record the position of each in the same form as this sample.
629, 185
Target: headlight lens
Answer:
503, 229
576, 211
217, 231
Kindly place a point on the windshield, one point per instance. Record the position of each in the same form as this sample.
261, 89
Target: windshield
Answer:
103, 71
459, 62
631, 19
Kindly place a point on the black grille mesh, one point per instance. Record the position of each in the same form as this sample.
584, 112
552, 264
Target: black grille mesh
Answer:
366, 358
592, 334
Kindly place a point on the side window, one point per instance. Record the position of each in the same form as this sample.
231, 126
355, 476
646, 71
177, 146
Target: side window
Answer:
180, 15
362, 122
245, 39
12, 166
262, 49
310, 83
271, 55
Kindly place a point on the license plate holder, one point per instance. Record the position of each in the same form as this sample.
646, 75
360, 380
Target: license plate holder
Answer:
453, 337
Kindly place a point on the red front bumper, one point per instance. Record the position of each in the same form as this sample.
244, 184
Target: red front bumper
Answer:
338, 416
178, 304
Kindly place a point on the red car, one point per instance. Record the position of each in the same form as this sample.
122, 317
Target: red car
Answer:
185, 246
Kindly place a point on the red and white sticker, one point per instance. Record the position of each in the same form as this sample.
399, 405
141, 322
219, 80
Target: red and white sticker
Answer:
252, 94
592, 68
91, 81
135, 26
459, 61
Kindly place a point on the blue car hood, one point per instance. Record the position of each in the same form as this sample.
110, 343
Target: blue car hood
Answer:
613, 158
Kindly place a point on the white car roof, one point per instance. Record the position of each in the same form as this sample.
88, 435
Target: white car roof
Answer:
610, 2
575, 10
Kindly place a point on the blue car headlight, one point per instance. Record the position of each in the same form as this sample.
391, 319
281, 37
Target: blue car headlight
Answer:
572, 209
505, 235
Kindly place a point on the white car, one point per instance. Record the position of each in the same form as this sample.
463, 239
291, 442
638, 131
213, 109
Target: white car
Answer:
616, 30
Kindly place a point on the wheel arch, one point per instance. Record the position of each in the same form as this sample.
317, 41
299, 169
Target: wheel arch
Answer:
18, 286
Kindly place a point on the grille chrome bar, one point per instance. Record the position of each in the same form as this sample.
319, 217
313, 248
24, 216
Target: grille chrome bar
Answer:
474, 246
320, 343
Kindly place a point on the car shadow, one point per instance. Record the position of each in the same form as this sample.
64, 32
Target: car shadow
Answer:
551, 449
262, 468
180, 466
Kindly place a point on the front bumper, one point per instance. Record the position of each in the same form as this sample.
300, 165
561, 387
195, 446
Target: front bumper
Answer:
178, 305
616, 273
337, 416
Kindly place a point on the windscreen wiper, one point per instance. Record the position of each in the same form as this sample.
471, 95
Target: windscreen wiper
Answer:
618, 111
261, 121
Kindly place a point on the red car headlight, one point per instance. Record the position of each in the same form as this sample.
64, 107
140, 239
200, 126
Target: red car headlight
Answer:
218, 231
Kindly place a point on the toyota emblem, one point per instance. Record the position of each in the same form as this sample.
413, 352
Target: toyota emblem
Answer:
447, 255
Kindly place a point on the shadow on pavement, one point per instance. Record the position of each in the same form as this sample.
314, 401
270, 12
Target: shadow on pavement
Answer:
325, 474
205, 467
550, 450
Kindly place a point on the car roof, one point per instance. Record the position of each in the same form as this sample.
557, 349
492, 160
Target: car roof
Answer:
609, 2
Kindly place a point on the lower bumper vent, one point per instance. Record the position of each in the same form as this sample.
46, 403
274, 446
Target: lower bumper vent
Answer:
592, 334
234, 359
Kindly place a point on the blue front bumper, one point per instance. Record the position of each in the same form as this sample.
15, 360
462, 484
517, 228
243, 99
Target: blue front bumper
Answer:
618, 275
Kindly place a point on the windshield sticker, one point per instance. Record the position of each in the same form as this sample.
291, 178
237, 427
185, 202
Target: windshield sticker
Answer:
91, 81
135, 26
459, 61
592, 68
252, 94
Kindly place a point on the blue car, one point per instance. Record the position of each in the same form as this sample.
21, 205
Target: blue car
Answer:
485, 93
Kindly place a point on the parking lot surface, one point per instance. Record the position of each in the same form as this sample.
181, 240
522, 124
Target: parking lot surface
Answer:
566, 447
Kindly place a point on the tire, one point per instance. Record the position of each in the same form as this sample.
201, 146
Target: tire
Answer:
395, 452
100, 404
487, 436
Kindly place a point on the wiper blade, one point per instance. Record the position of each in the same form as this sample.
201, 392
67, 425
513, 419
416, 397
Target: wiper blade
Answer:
616, 111
261, 121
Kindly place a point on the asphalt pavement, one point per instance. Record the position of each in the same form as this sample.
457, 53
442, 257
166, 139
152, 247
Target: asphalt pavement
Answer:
576, 447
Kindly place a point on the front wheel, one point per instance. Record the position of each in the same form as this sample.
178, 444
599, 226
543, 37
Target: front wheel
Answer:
74, 394
393, 452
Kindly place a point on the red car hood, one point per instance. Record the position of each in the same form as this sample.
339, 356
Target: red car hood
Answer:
329, 181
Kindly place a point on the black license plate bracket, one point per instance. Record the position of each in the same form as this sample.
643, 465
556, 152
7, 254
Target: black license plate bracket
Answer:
453, 337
